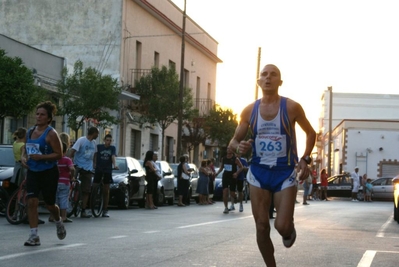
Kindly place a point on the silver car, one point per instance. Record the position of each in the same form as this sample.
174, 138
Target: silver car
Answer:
166, 185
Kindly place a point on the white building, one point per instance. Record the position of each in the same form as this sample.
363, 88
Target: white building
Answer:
122, 38
365, 133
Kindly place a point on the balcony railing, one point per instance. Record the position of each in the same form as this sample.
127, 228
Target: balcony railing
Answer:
204, 105
136, 74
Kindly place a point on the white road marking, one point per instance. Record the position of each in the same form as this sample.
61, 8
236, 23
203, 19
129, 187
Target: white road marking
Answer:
367, 258
118, 236
381, 232
151, 232
213, 222
369, 255
16, 255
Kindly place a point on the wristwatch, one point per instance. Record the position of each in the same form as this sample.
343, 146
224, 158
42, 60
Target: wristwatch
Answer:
307, 159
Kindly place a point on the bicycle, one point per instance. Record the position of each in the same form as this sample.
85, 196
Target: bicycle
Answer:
74, 200
245, 190
96, 199
3, 201
17, 205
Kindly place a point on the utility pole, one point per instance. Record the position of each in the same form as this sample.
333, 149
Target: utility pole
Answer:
257, 74
329, 130
181, 87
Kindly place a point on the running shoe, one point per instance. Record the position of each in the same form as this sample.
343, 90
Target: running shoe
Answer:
288, 242
33, 240
105, 214
61, 232
232, 207
83, 214
226, 211
241, 207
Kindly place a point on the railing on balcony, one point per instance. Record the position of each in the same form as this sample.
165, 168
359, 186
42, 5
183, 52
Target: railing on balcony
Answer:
204, 105
136, 74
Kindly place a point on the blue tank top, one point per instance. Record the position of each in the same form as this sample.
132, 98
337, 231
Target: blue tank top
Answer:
39, 146
274, 143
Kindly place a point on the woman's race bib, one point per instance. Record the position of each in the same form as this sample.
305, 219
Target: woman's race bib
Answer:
33, 149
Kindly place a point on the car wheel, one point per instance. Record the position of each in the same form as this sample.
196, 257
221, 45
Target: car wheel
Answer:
161, 198
171, 200
360, 196
142, 201
124, 198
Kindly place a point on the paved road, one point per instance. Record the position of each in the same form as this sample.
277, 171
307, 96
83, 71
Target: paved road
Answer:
334, 233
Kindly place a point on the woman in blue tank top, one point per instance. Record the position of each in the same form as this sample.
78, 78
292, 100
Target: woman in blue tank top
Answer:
42, 150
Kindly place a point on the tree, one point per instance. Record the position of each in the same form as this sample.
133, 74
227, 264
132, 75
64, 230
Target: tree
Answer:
87, 95
194, 135
220, 125
19, 94
159, 94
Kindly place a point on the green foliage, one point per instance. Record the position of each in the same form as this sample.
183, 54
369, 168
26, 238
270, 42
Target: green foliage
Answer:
86, 94
159, 97
220, 125
19, 95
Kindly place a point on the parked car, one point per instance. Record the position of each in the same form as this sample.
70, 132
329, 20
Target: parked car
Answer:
166, 185
129, 183
382, 189
7, 163
218, 192
193, 182
395, 182
339, 185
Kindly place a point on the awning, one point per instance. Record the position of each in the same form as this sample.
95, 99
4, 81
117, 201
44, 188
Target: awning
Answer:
128, 96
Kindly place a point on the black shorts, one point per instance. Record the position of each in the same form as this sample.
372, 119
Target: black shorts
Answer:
85, 178
106, 177
229, 182
45, 182
240, 185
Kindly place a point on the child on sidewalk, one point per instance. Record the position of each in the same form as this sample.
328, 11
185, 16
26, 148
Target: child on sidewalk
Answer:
369, 190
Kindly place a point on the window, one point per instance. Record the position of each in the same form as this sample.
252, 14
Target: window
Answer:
135, 142
186, 78
154, 142
172, 65
156, 59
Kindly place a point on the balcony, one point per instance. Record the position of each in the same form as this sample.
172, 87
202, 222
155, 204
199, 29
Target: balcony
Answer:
136, 74
204, 105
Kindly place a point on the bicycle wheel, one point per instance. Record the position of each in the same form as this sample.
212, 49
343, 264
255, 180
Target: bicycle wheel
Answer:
17, 207
74, 200
3, 201
96, 200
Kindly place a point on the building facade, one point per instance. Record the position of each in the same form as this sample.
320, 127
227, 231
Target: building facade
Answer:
365, 133
124, 39
46, 70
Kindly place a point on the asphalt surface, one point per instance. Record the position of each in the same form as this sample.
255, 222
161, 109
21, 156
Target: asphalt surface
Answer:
333, 233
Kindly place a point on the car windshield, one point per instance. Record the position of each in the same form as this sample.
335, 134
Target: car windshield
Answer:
7, 157
121, 163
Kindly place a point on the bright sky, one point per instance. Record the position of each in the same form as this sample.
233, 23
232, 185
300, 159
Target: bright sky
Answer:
351, 45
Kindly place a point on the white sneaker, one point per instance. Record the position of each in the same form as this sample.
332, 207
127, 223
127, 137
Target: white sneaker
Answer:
226, 211
241, 207
33, 240
232, 207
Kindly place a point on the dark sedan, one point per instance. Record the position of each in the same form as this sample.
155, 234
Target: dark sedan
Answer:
339, 185
129, 183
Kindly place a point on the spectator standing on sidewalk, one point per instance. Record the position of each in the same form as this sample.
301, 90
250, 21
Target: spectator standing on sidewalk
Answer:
104, 162
82, 154
355, 183
323, 185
